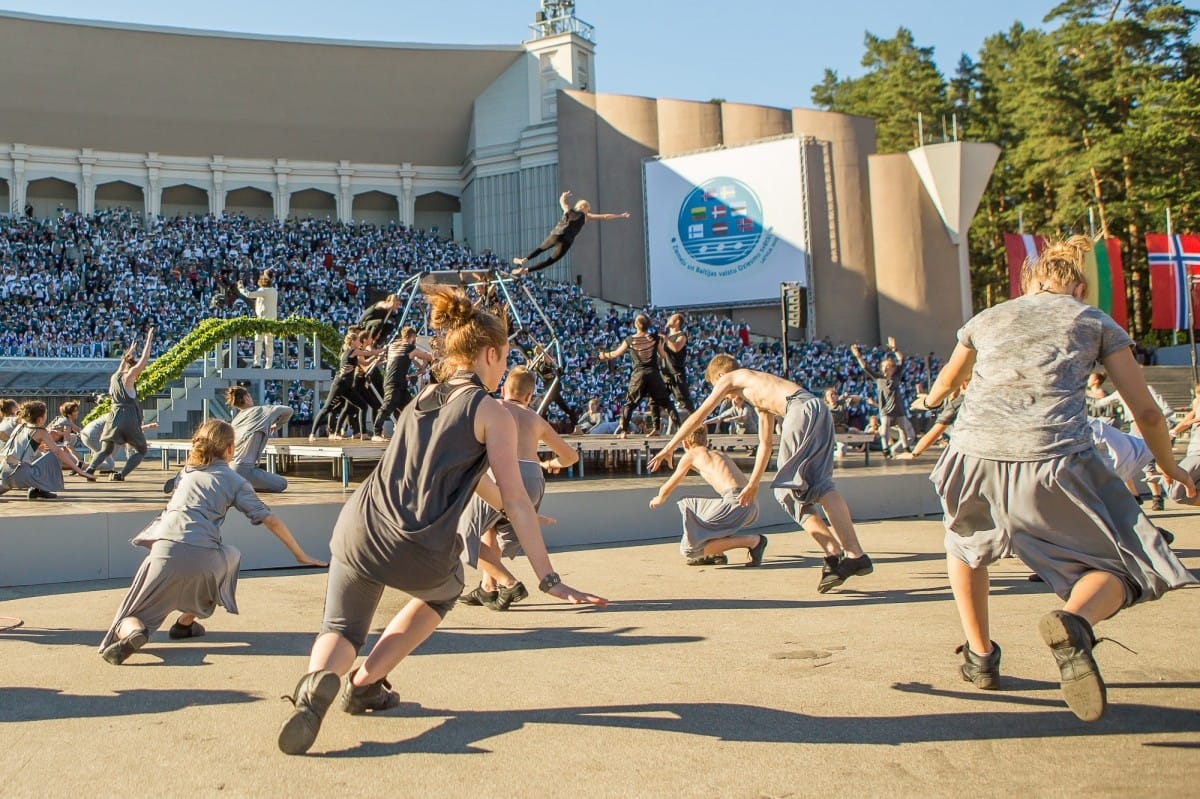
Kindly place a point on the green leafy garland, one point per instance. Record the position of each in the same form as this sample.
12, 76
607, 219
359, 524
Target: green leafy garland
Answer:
169, 366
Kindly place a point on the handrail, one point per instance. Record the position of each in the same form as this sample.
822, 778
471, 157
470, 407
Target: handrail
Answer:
203, 338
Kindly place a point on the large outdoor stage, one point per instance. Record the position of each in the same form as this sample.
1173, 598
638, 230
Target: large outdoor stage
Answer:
84, 535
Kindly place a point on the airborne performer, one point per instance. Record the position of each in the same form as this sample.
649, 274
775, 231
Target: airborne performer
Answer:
563, 235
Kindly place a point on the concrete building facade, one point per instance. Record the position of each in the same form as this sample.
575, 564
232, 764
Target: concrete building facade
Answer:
475, 142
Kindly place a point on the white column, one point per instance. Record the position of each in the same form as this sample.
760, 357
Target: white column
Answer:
87, 182
345, 200
408, 209
283, 200
216, 198
18, 189
153, 191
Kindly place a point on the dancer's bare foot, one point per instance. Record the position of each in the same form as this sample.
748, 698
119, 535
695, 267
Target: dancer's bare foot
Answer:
519, 261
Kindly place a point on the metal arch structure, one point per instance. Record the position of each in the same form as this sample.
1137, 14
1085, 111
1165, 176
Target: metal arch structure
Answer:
540, 349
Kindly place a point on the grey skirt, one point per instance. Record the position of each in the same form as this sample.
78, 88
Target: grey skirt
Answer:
479, 517
806, 449
1063, 517
44, 473
705, 519
179, 577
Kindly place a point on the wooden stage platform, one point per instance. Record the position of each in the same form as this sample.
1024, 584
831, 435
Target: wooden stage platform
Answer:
84, 535
605, 451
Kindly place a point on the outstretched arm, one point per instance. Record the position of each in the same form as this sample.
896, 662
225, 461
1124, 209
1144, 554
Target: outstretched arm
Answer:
565, 456
697, 418
136, 371
280, 531
612, 355
1126, 375
562, 201
766, 432
681, 470
602, 217
861, 363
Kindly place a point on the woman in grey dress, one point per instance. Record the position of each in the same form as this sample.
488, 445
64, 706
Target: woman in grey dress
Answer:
189, 568
1022, 474
400, 528
32, 459
124, 426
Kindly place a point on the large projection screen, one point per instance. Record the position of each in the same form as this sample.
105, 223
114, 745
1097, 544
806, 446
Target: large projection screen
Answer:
726, 226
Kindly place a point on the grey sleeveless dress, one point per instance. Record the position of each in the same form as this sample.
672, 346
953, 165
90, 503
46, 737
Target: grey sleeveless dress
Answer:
35, 470
400, 528
124, 425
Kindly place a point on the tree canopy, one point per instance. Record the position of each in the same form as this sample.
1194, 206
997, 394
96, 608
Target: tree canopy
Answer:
1097, 115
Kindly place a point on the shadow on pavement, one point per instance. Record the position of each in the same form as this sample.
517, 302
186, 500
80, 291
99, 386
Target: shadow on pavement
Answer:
461, 731
42, 704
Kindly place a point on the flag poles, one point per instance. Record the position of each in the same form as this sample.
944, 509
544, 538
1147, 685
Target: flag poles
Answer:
1191, 311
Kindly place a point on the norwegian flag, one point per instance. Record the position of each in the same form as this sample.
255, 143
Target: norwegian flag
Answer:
1173, 259
745, 225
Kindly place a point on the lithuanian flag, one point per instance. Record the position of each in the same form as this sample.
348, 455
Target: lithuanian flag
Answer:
1106, 280
1101, 267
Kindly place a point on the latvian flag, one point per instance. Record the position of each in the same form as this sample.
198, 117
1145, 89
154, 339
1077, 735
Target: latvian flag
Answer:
1101, 268
1018, 248
1171, 259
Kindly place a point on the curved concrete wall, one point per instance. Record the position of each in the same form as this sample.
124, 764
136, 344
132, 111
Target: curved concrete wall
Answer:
845, 273
131, 89
744, 124
918, 283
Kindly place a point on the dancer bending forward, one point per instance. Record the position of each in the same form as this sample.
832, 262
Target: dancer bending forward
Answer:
805, 476
710, 526
400, 528
189, 568
1022, 474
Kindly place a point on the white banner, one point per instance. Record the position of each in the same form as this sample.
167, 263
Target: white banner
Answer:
725, 226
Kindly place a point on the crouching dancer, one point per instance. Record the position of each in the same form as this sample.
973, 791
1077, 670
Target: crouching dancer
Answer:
189, 568
710, 526
1022, 474
400, 528
805, 476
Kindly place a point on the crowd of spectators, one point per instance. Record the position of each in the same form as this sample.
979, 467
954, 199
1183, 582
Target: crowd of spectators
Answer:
83, 286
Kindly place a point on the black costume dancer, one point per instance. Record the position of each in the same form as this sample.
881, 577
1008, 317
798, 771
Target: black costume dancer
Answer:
400, 355
563, 235
541, 362
381, 318
645, 349
674, 364
342, 396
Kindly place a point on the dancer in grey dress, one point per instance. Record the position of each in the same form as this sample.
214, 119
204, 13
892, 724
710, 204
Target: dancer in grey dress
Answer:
189, 568
400, 528
124, 426
252, 426
1022, 474
23, 464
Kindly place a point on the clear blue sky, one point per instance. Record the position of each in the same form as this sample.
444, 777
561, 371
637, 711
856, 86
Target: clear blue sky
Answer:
768, 52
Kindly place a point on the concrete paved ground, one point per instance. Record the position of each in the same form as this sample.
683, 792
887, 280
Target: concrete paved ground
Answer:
714, 682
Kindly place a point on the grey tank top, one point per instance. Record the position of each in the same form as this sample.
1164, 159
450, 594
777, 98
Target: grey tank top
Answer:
418, 491
21, 444
122, 399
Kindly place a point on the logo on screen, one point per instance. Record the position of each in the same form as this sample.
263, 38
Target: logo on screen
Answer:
720, 223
